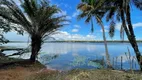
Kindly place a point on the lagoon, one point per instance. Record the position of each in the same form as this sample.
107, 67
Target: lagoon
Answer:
70, 55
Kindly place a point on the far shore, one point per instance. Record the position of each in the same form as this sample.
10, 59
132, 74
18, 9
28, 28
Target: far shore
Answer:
73, 41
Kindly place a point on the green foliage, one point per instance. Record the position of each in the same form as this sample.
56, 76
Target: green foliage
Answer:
112, 29
82, 60
94, 10
78, 61
5, 23
120, 10
138, 4
113, 14
37, 17
89, 11
99, 63
5, 27
46, 58
95, 64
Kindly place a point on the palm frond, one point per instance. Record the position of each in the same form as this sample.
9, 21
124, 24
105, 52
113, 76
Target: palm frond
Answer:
118, 16
138, 4
112, 29
91, 9
122, 32
37, 17
110, 14
92, 25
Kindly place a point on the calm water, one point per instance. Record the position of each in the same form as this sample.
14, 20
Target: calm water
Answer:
66, 56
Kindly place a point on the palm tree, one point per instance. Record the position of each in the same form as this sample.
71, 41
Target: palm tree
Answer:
121, 8
37, 17
6, 27
90, 11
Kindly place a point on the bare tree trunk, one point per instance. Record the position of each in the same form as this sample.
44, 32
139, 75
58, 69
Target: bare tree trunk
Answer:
132, 38
36, 46
109, 65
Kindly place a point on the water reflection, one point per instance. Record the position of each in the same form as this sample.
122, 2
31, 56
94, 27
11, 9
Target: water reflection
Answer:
68, 52
64, 48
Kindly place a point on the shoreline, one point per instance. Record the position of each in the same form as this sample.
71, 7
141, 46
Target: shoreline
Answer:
72, 41
37, 71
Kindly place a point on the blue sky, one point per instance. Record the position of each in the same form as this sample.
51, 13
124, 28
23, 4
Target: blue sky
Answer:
78, 30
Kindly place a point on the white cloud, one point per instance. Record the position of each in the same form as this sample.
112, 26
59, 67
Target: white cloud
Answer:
67, 6
105, 30
77, 26
69, 17
135, 25
64, 5
61, 13
75, 30
59, 35
118, 26
76, 13
62, 35
64, 12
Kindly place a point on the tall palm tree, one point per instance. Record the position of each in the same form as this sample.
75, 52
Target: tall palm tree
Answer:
37, 17
90, 10
121, 8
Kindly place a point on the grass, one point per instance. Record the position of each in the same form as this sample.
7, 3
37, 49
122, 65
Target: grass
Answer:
85, 75
17, 69
6, 63
32, 73
102, 75
24, 70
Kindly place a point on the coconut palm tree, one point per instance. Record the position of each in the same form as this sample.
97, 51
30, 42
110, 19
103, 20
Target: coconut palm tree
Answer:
90, 10
120, 9
37, 17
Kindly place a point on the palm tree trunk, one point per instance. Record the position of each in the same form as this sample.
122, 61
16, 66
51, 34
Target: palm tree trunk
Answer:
36, 46
132, 38
106, 49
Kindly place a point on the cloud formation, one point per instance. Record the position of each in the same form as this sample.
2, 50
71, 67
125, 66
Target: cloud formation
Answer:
76, 13
135, 25
118, 26
105, 30
60, 35
75, 30
63, 35
77, 26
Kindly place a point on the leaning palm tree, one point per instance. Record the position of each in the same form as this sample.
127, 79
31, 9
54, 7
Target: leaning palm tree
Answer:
121, 10
37, 17
90, 9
